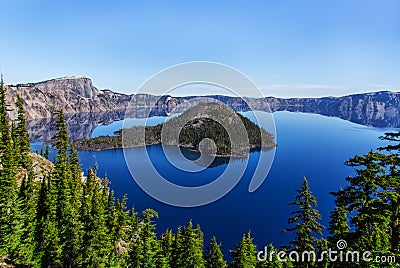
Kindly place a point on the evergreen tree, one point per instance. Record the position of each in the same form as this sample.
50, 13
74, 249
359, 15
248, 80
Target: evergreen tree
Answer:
142, 250
166, 246
66, 195
192, 245
95, 245
214, 257
5, 138
306, 220
49, 246
391, 186
339, 223
372, 199
121, 226
20, 136
188, 247
46, 152
245, 253
9, 206
41, 215
365, 196
177, 249
27, 201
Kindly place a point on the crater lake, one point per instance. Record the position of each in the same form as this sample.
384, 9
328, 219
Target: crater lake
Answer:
309, 145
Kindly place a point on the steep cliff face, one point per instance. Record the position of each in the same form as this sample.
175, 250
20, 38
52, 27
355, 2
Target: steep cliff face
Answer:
379, 109
76, 95
70, 94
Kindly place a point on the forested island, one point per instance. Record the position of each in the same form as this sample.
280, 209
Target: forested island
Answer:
231, 133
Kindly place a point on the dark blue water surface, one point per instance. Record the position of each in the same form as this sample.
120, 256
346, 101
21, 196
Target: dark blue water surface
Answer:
309, 145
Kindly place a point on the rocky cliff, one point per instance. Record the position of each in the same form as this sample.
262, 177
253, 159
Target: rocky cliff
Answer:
378, 109
71, 94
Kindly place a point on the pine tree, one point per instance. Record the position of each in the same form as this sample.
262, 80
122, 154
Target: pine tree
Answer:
142, 250
365, 197
177, 249
121, 226
245, 253
95, 245
188, 247
27, 200
46, 152
306, 220
214, 257
9, 205
67, 212
339, 223
41, 215
391, 186
192, 245
4, 123
49, 246
372, 199
20, 137
27, 191
166, 246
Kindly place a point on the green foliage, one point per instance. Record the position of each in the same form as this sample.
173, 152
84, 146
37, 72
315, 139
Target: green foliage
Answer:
187, 247
46, 152
68, 220
339, 224
166, 247
20, 136
245, 253
214, 257
195, 127
144, 245
192, 242
371, 201
10, 215
95, 245
27, 209
305, 220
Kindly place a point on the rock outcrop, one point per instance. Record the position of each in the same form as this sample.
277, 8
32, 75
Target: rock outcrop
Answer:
378, 109
70, 94
41, 168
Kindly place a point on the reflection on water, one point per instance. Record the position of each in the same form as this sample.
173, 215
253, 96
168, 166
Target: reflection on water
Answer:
210, 161
204, 161
85, 125
79, 125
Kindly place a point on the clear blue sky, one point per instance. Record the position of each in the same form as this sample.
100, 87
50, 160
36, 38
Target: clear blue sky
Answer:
289, 48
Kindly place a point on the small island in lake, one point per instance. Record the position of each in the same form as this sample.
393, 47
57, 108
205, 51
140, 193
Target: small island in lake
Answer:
210, 128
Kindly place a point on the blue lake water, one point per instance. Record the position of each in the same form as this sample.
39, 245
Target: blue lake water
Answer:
309, 145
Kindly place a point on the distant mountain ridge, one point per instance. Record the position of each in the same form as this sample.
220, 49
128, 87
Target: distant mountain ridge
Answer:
76, 95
